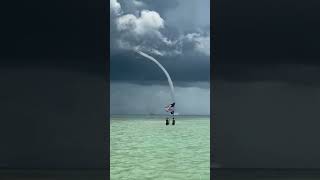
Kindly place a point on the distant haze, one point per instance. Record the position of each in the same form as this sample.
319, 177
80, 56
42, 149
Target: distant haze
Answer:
129, 98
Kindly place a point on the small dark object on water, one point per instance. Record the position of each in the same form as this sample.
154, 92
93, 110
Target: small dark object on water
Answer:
167, 121
173, 121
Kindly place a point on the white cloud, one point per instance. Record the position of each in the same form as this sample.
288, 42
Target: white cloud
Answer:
115, 7
201, 43
144, 30
148, 22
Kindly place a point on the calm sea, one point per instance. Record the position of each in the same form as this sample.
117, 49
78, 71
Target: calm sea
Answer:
143, 148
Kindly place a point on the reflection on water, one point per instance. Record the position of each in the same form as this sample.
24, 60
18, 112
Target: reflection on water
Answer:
145, 148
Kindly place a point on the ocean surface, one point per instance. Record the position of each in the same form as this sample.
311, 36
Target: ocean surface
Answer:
144, 148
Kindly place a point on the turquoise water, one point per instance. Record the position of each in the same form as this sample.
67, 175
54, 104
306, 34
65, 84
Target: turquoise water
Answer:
144, 148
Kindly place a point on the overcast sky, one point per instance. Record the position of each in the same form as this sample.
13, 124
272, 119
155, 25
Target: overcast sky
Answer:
175, 32
53, 85
266, 94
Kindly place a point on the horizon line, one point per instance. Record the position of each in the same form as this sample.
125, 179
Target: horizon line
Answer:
164, 114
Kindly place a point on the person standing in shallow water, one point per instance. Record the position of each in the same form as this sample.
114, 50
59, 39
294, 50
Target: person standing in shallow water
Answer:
168, 121
170, 108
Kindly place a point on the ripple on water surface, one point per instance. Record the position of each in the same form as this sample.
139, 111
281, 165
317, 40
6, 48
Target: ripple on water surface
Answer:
145, 148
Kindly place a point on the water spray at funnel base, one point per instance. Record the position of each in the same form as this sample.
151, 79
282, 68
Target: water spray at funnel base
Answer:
170, 108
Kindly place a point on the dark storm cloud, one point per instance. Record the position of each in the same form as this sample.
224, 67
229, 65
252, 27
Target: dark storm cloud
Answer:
267, 31
53, 84
65, 33
186, 56
267, 41
132, 67
266, 86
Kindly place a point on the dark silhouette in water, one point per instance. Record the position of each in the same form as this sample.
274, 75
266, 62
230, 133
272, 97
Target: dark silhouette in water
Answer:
167, 121
173, 121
